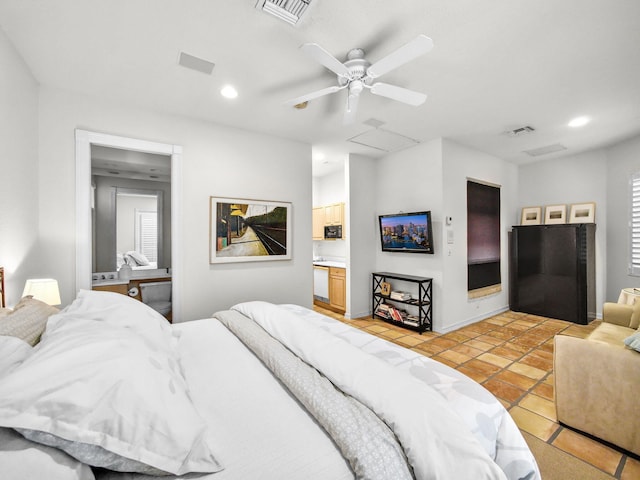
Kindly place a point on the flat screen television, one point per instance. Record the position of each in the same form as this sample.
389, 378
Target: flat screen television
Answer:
406, 232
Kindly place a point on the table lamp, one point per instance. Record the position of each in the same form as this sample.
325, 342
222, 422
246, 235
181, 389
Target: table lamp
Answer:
43, 289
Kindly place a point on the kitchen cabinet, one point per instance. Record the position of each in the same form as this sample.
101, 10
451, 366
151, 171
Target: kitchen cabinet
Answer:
318, 223
338, 288
334, 214
330, 288
326, 216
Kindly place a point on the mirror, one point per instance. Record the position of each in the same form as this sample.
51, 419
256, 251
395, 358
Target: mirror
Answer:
131, 214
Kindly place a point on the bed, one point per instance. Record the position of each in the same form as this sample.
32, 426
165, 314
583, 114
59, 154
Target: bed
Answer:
112, 391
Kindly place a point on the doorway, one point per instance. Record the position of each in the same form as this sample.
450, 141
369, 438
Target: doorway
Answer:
85, 140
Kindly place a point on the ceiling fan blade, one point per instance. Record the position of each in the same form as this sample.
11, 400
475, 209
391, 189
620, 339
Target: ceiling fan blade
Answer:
323, 57
352, 109
312, 95
398, 93
416, 47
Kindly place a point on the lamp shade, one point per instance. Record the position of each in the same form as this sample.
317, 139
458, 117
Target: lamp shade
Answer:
43, 289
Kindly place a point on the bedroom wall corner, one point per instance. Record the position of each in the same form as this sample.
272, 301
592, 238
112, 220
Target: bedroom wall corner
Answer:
19, 167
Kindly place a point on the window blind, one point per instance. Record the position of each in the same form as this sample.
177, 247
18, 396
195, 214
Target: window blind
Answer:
634, 225
147, 234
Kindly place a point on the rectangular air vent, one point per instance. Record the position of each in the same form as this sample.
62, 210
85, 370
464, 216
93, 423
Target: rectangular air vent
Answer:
291, 11
195, 63
516, 132
536, 152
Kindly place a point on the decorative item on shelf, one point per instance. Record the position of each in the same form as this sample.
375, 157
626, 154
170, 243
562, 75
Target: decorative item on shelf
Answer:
385, 288
583, 213
44, 289
402, 296
554, 214
531, 216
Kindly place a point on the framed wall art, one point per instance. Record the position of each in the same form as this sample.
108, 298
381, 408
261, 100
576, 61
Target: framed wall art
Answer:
554, 214
531, 216
242, 230
583, 213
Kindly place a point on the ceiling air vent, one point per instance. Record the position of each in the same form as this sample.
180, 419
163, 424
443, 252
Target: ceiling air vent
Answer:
536, 152
516, 132
195, 63
291, 11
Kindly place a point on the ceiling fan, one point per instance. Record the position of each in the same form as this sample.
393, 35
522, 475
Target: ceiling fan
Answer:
357, 74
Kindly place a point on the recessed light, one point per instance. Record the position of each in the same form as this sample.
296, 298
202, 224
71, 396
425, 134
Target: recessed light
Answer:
229, 91
579, 122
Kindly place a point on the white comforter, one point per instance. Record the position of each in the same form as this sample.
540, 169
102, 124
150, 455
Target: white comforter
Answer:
436, 441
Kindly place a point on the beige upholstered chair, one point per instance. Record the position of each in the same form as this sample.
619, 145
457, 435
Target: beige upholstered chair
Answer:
597, 379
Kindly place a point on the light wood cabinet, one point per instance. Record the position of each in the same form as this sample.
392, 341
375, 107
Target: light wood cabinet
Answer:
334, 214
338, 288
327, 215
318, 223
122, 288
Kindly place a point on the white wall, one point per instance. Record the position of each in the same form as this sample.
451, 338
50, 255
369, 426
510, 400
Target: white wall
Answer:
460, 164
575, 179
409, 181
622, 160
363, 240
217, 161
19, 173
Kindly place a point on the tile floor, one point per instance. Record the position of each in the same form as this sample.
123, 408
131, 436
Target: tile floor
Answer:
511, 354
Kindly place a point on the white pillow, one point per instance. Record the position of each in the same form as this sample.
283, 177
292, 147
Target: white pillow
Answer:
14, 351
118, 310
138, 258
102, 386
21, 459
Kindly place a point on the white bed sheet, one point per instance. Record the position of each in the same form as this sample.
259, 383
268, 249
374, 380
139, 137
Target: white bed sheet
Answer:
215, 363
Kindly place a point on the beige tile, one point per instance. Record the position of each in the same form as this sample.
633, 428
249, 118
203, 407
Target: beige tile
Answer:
456, 358
495, 359
527, 371
467, 350
533, 423
539, 405
409, 340
376, 328
589, 450
484, 346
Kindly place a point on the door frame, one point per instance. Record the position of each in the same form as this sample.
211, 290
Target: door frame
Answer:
84, 140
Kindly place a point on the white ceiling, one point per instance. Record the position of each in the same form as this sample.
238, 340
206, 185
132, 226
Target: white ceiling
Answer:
496, 65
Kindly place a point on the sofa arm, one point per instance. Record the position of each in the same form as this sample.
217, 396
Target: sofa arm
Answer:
617, 313
597, 389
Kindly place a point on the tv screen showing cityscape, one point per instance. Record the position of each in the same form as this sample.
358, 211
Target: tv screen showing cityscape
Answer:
406, 232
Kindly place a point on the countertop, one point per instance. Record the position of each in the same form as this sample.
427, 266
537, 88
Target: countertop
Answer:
134, 278
330, 263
